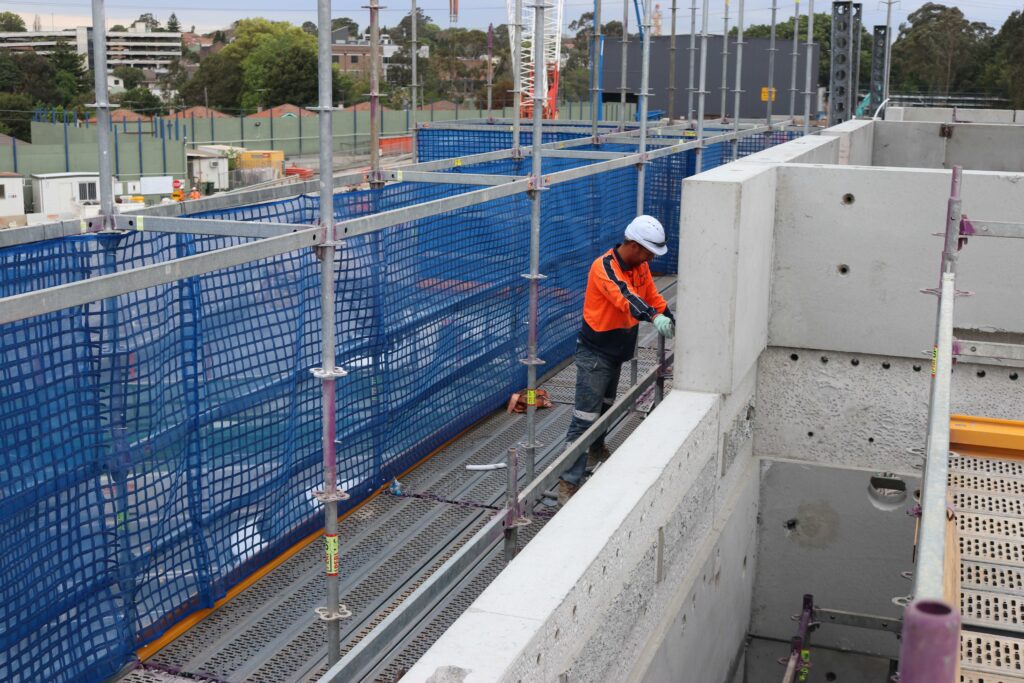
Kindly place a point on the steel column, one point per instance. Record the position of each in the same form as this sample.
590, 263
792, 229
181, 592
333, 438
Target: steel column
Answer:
334, 611
879, 45
809, 65
739, 76
625, 54
645, 71
102, 106
534, 277
858, 15
414, 86
517, 81
595, 77
841, 63
692, 60
375, 180
672, 68
490, 69
725, 62
795, 55
703, 84
771, 66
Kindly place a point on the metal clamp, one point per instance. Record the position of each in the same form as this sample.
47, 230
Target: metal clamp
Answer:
340, 613
334, 496
324, 373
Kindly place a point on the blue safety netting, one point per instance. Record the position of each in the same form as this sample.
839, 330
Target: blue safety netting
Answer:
443, 143
162, 444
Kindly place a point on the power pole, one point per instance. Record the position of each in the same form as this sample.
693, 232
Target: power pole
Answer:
672, 68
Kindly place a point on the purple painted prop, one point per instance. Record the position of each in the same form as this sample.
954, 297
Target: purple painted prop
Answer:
930, 644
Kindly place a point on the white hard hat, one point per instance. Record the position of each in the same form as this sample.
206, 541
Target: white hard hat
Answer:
648, 233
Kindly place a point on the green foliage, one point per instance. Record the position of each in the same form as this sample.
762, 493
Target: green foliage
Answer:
149, 20
939, 51
70, 77
130, 76
142, 101
173, 25
309, 27
11, 22
218, 80
119, 27
281, 68
1004, 70
36, 77
340, 22
16, 114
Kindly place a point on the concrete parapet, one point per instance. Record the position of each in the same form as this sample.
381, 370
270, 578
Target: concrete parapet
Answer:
604, 576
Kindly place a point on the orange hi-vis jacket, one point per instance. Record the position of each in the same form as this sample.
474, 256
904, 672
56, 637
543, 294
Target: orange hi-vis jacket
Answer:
617, 300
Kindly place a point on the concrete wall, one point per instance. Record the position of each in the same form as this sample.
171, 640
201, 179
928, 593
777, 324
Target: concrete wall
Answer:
856, 141
949, 115
974, 146
854, 246
583, 598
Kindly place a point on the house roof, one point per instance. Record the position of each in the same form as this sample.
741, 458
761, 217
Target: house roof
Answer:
199, 112
281, 110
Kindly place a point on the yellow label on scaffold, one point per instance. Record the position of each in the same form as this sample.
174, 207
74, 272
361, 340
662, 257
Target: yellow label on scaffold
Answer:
531, 397
332, 554
458, 162
935, 359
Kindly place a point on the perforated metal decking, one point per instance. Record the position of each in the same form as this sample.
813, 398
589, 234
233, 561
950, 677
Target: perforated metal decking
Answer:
988, 493
390, 545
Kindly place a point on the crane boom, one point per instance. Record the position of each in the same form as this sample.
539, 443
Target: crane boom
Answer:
549, 60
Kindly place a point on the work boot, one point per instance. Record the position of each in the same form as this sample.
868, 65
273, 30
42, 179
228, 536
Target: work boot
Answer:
597, 455
566, 491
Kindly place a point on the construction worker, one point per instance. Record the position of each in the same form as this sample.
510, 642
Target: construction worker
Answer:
194, 193
620, 293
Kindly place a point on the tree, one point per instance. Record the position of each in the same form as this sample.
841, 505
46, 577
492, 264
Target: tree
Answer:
11, 22
121, 28
142, 101
173, 25
37, 77
10, 73
309, 27
1004, 72
70, 73
16, 114
149, 20
130, 76
939, 51
343, 22
218, 80
281, 68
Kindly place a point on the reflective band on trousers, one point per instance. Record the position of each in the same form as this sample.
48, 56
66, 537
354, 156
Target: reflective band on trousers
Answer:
585, 416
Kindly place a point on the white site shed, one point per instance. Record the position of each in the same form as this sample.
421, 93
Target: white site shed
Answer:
65, 193
12, 195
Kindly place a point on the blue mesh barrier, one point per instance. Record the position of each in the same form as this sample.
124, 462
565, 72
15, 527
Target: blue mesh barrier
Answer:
443, 143
162, 444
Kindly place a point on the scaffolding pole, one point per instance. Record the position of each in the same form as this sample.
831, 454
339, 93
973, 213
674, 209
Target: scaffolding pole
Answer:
102, 106
490, 70
703, 85
725, 61
737, 91
375, 181
672, 68
795, 55
692, 60
595, 76
809, 65
534, 276
645, 72
517, 79
414, 16
771, 66
625, 54
328, 373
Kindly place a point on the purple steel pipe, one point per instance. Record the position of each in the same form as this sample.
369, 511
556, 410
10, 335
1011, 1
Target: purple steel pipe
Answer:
329, 431
930, 645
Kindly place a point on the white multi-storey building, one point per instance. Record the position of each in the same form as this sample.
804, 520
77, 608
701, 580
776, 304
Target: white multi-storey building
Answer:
138, 47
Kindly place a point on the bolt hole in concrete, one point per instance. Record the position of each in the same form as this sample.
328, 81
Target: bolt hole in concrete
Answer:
917, 368
981, 373
1013, 376
824, 359
574, 611
843, 269
557, 633
831, 676
791, 524
810, 435
848, 199
886, 365
794, 357
871, 439
854, 362
538, 658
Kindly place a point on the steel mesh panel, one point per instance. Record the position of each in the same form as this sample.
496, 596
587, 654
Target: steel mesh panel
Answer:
993, 610
986, 466
999, 551
988, 653
974, 524
982, 677
992, 577
987, 484
988, 504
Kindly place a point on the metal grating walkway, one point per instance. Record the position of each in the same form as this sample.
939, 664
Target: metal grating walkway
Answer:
390, 545
989, 498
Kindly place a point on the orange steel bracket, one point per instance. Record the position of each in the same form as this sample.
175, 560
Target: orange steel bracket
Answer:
986, 436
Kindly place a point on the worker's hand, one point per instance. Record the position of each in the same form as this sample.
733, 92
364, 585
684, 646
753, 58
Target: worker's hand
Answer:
666, 328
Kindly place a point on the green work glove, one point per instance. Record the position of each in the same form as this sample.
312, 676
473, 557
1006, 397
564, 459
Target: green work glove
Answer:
665, 326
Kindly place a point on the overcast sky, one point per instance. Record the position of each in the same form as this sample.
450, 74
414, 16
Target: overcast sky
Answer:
472, 14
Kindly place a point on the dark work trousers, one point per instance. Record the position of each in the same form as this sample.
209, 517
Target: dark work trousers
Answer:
597, 380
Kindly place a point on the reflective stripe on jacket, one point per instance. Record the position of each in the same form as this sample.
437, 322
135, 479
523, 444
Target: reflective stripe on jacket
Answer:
617, 300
